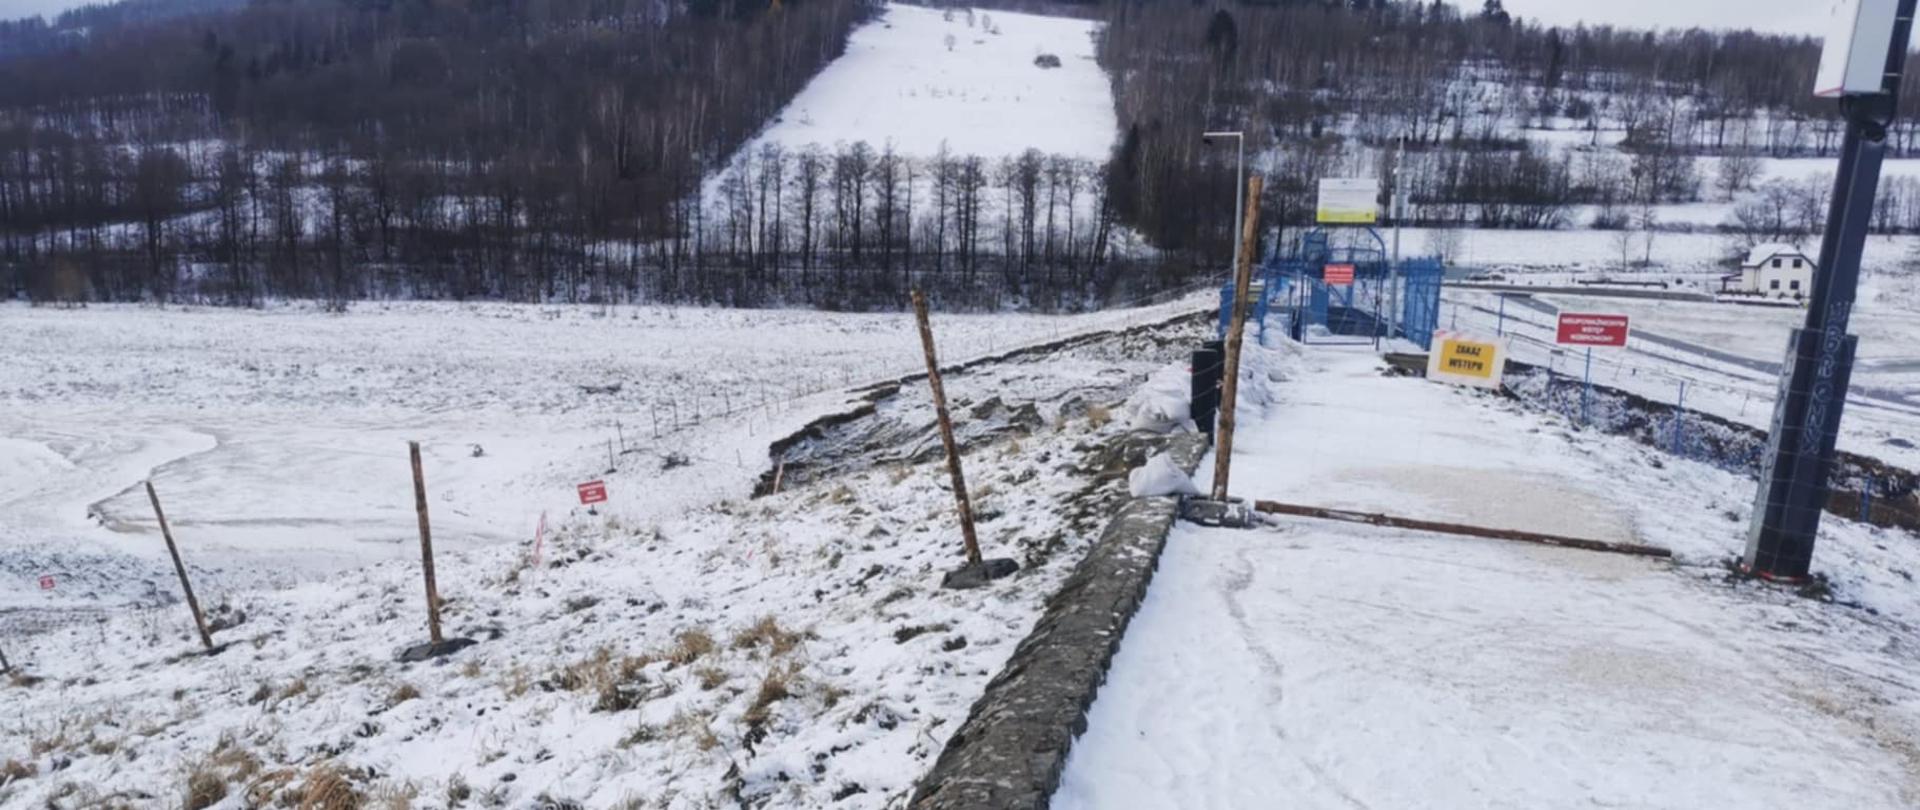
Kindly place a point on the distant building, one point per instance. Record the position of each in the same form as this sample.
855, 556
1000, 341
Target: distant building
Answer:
1772, 271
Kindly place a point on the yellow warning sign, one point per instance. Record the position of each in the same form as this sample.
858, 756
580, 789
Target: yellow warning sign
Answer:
1468, 358
1464, 359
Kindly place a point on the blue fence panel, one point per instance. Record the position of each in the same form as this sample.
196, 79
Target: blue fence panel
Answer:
1291, 289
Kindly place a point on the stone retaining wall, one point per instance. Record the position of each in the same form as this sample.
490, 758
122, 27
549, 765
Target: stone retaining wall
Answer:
1010, 752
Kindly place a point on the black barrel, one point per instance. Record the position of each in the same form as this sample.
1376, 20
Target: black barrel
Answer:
1209, 367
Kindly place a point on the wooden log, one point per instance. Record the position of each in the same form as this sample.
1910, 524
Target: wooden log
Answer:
964, 504
199, 619
426, 543
1230, 388
1376, 519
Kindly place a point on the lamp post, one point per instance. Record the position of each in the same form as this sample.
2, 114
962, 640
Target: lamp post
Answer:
1239, 180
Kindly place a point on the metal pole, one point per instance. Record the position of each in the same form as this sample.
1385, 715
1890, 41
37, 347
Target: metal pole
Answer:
1793, 488
1230, 388
1397, 206
1500, 327
1586, 390
1240, 180
1239, 189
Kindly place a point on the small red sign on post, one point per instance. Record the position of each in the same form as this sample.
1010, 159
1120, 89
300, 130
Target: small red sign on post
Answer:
593, 492
46, 583
1338, 275
1587, 329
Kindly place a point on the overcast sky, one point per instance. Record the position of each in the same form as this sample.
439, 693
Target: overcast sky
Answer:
15, 9
1780, 16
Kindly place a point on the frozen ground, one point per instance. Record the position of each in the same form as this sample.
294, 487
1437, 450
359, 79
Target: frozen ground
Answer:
277, 438
1347, 666
790, 651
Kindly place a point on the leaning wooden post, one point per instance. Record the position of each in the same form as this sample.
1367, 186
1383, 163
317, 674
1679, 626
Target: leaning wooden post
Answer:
199, 620
1242, 280
426, 543
946, 430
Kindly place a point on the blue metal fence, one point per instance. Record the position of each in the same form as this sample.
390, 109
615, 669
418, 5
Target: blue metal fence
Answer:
1292, 290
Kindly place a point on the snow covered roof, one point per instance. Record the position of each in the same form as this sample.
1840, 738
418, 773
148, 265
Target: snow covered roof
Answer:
1763, 253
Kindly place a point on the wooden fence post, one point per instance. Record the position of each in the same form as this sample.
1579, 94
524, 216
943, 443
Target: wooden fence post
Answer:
199, 620
426, 543
1243, 278
946, 430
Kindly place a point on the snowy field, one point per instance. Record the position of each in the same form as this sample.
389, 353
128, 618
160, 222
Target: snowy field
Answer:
277, 438
919, 78
686, 647
1347, 666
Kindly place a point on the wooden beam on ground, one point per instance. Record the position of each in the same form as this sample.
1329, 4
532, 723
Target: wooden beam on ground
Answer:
1375, 519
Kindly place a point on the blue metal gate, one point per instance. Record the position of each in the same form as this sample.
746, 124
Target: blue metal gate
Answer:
1293, 290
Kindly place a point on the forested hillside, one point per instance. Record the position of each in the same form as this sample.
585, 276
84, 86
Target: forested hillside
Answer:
602, 149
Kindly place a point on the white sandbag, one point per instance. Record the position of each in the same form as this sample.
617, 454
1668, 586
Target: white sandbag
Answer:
1160, 476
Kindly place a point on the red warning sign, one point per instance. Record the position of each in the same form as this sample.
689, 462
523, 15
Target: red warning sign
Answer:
1338, 275
1587, 329
593, 492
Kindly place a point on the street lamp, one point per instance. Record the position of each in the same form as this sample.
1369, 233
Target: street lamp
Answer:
1239, 186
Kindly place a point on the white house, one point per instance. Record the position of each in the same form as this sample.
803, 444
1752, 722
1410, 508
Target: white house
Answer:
1772, 271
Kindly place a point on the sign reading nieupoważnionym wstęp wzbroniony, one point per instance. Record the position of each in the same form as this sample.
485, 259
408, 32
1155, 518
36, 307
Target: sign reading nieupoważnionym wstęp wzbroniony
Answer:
1348, 201
1591, 329
1471, 360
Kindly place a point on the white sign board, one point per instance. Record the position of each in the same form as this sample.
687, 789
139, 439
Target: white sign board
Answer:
1348, 201
1859, 34
1478, 361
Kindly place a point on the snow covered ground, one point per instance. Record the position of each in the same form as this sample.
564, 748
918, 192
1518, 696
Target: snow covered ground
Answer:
1349, 666
277, 438
921, 77
1729, 365
684, 647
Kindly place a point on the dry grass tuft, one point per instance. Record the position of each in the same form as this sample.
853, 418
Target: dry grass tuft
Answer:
401, 694
392, 796
205, 787
295, 689
711, 678
615, 680
690, 646
640, 734
767, 634
774, 688
14, 770
328, 788
696, 728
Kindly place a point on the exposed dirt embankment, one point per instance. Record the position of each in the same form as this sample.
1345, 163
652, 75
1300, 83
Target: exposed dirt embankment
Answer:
1007, 394
1889, 495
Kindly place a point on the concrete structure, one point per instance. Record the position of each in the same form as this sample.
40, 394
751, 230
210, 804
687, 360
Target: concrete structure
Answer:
1772, 271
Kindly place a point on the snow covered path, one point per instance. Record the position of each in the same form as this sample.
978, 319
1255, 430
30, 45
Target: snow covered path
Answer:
1314, 664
